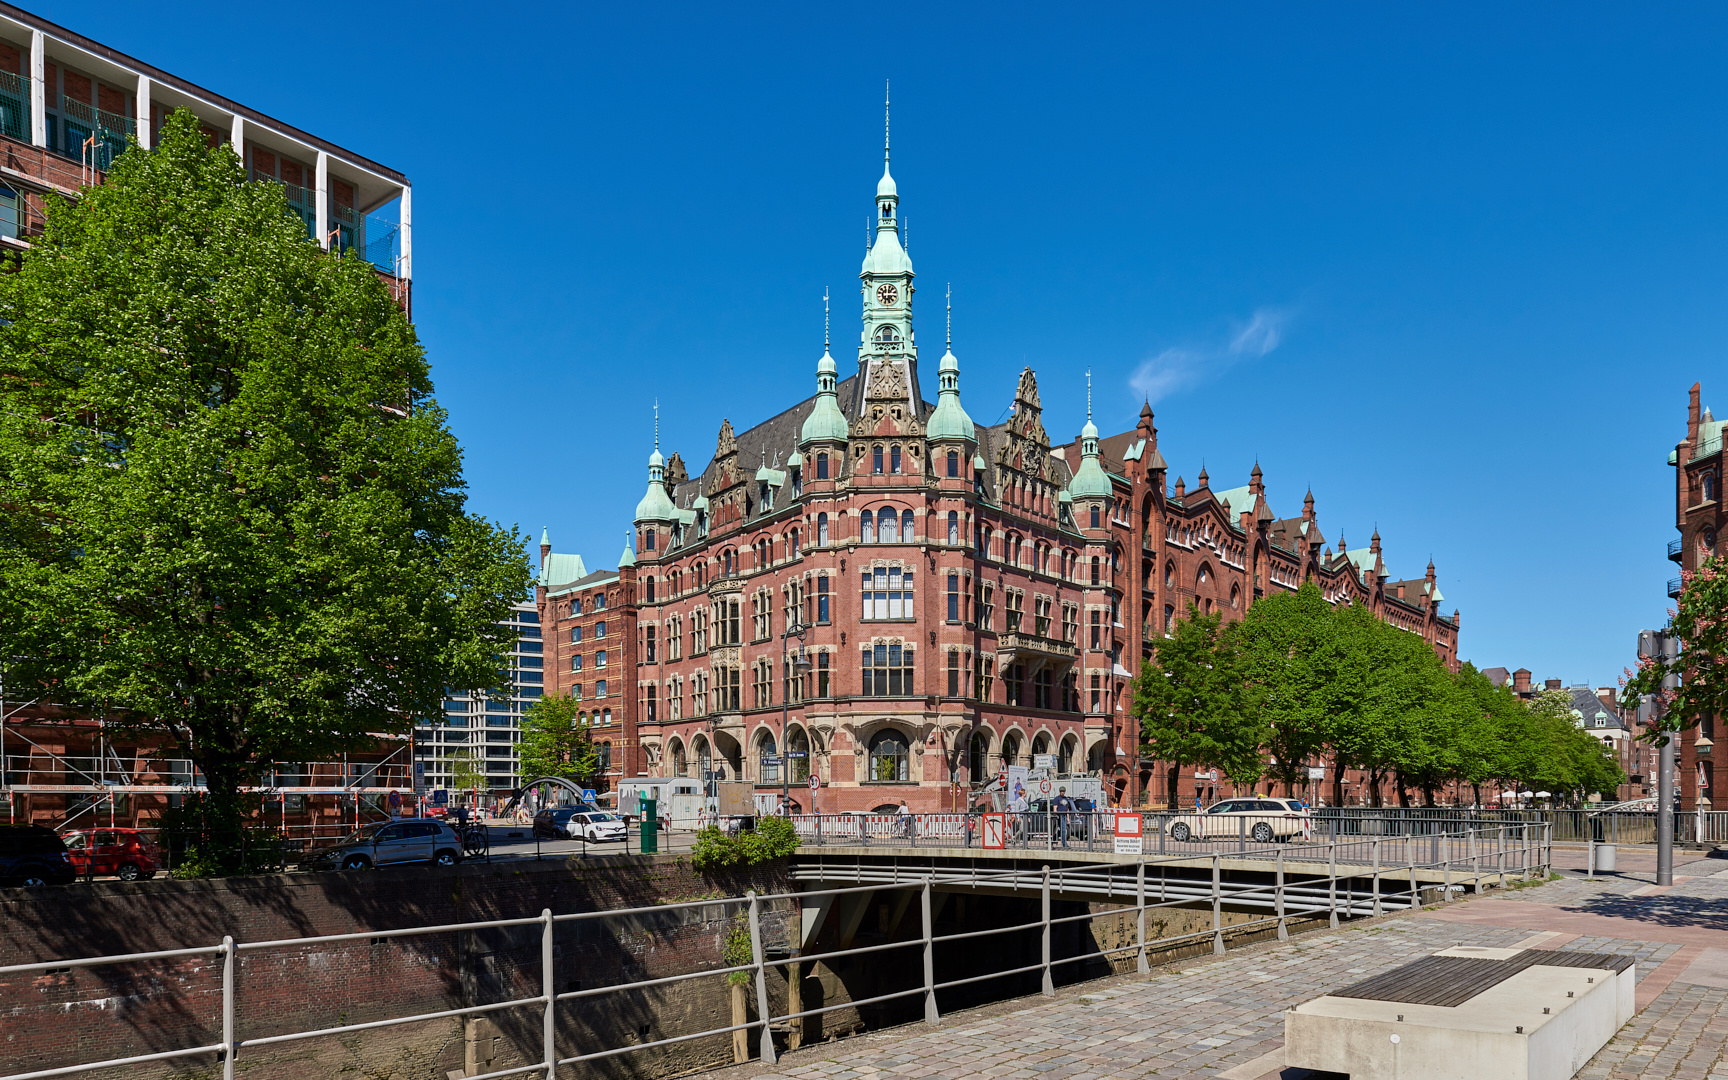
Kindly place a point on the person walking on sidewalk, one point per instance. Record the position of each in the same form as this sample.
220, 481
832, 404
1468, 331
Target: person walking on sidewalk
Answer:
1063, 807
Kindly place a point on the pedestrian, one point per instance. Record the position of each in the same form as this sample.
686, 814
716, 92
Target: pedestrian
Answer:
906, 819
1063, 807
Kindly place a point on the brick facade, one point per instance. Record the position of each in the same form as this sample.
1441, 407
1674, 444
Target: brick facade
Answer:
973, 595
1702, 523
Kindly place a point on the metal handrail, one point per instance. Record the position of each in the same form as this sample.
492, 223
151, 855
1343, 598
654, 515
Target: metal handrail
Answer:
1530, 842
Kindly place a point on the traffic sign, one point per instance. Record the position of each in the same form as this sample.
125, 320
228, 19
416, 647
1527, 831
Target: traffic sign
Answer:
1044, 786
995, 831
588, 794
441, 797
1128, 838
815, 782
796, 754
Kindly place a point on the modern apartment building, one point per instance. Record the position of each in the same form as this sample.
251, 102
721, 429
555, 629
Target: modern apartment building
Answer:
68, 104
486, 731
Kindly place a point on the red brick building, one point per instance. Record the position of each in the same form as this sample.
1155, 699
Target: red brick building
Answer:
974, 595
1702, 522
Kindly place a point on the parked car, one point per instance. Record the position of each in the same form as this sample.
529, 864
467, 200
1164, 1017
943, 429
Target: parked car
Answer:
33, 855
123, 853
553, 823
1262, 820
389, 843
597, 827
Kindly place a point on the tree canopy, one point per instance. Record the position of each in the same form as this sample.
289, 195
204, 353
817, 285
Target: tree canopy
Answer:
1700, 621
1300, 681
233, 513
555, 742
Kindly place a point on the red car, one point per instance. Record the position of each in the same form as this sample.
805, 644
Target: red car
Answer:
123, 853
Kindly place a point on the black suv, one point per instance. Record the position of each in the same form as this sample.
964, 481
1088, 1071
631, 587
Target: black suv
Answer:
33, 855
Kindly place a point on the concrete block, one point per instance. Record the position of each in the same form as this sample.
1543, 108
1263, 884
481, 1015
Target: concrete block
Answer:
1540, 1023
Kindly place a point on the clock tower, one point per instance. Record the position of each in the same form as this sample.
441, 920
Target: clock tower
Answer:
887, 353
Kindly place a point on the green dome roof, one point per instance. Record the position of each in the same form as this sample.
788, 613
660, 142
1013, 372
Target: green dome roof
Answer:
826, 421
1089, 480
949, 420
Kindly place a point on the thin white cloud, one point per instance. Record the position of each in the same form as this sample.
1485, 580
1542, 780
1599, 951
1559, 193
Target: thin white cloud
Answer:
1180, 367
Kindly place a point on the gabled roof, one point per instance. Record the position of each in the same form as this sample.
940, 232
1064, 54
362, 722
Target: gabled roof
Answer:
560, 570
587, 581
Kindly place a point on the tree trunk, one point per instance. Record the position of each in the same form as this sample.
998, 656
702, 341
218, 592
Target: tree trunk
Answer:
1173, 790
1338, 780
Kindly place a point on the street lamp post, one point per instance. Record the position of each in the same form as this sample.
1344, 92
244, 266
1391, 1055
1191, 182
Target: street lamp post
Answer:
790, 672
1663, 647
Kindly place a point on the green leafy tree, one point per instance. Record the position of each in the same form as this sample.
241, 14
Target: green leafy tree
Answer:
1292, 660
466, 772
1195, 704
555, 742
1700, 621
233, 513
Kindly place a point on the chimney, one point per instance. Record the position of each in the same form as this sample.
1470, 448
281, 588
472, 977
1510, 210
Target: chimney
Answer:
1521, 681
1551, 684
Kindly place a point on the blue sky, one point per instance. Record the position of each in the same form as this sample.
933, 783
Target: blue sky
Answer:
1453, 266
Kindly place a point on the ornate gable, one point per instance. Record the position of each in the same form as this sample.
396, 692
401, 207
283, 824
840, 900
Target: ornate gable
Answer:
1026, 449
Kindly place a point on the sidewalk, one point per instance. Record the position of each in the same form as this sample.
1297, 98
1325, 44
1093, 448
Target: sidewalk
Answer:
1224, 1018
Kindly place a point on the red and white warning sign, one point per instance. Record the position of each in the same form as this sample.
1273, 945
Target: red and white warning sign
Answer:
1128, 838
995, 831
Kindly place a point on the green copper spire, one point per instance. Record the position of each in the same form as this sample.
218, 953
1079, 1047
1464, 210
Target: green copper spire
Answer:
656, 505
1089, 480
629, 556
826, 421
949, 420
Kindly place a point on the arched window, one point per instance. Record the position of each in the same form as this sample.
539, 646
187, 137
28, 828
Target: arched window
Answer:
821, 466
704, 758
906, 526
887, 526
1095, 579
650, 586
792, 549
767, 762
1010, 750
953, 463
679, 766
869, 528
876, 461
1041, 744
894, 460
890, 759
821, 530
1235, 596
953, 526
1709, 487
1065, 757
799, 743
1094, 516
977, 756
885, 335
649, 540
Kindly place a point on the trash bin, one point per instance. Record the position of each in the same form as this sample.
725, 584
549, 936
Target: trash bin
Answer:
1605, 858
649, 813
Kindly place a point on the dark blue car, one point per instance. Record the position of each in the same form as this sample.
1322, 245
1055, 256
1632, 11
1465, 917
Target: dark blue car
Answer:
33, 855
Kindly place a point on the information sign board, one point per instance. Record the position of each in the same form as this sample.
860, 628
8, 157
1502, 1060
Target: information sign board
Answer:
1128, 838
995, 831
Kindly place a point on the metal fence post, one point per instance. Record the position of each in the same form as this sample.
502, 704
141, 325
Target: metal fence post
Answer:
761, 979
1446, 873
1415, 892
1217, 909
1162, 835
1241, 836
549, 984
931, 1016
1500, 855
1376, 843
1332, 883
1475, 861
1140, 917
227, 1007
1283, 933
1049, 988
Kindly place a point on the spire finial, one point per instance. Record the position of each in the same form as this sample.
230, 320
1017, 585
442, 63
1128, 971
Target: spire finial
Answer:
1088, 393
656, 425
950, 316
824, 318
885, 100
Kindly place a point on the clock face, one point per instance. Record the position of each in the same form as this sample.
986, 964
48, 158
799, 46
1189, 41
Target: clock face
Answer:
887, 295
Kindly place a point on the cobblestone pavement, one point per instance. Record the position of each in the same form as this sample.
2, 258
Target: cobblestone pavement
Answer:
1224, 1017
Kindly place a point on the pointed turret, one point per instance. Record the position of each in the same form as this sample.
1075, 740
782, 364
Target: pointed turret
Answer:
545, 544
1089, 481
826, 422
1256, 481
656, 505
950, 421
1205, 481
629, 556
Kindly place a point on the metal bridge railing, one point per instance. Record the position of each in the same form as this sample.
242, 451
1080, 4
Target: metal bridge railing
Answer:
1343, 890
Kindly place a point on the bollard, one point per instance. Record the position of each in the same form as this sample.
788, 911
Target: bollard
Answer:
1049, 988
931, 1017
1217, 910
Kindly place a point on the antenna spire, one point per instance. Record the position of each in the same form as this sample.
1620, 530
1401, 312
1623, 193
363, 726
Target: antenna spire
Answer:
824, 318
1088, 394
950, 316
885, 101
656, 425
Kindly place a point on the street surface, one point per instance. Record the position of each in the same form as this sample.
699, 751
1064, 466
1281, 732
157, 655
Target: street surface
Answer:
1224, 1018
